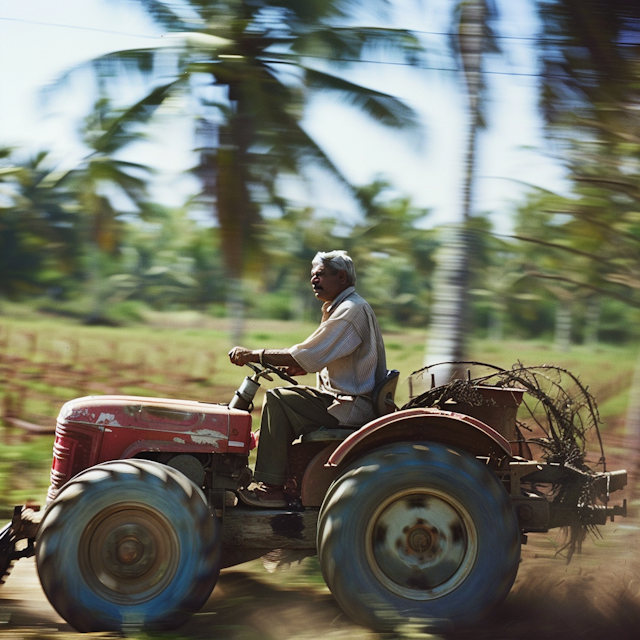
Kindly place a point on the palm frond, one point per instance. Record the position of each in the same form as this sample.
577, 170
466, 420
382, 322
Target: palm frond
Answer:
382, 107
110, 65
10, 171
348, 44
118, 62
162, 15
120, 132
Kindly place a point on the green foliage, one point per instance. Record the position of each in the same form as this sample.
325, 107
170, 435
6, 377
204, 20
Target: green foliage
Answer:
248, 113
64, 238
24, 464
588, 51
618, 323
38, 236
169, 262
275, 306
584, 249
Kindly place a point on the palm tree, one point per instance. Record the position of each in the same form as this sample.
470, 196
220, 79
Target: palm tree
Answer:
100, 177
394, 252
250, 68
593, 237
38, 240
447, 341
588, 53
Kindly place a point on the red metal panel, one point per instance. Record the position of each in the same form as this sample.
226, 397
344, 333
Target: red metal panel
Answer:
127, 422
449, 427
75, 448
95, 429
317, 478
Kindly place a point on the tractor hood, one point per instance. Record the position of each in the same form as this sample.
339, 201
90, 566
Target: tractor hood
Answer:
95, 429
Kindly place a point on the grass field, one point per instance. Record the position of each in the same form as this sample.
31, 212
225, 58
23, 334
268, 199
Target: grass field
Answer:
46, 361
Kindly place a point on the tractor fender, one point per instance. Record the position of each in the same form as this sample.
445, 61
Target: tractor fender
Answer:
425, 425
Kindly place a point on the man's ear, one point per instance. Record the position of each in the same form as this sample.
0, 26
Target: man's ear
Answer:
342, 276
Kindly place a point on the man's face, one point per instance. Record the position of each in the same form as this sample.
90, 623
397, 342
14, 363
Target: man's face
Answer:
328, 284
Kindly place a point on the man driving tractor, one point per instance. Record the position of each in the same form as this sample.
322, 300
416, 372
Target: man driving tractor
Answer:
346, 352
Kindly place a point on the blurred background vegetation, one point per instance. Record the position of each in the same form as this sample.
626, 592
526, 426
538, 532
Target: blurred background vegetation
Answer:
88, 242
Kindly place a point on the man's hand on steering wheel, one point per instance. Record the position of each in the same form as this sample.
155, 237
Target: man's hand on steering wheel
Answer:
241, 356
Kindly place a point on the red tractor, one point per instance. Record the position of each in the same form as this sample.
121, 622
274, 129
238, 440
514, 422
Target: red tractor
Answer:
416, 517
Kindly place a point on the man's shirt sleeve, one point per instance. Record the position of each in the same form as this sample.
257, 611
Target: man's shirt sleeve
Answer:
333, 339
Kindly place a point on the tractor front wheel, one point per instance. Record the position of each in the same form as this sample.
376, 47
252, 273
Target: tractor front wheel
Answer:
418, 534
128, 545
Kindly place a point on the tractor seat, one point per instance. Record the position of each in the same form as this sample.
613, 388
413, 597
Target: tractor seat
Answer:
384, 393
383, 404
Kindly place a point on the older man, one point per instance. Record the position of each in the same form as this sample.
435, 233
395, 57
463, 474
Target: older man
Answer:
346, 352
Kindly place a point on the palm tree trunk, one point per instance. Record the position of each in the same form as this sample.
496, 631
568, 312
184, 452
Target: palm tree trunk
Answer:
592, 322
221, 172
94, 206
495, 330
235, 310
446, 342
449, 319
563, 326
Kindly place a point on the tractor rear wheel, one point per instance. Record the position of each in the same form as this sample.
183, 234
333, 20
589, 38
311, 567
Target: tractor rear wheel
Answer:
128, 545
418, 534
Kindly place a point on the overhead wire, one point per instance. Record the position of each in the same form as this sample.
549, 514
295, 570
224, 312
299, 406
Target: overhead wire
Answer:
416, 31
340, 59
79, 28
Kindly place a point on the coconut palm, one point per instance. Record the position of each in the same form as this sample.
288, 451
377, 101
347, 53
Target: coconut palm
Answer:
249, 68
395, 253
588, 51
102, 176
447, 341
38, 240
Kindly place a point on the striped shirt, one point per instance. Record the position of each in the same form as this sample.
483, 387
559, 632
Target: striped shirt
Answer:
347, 353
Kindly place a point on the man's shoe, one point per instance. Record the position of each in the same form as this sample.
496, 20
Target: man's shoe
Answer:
267, 496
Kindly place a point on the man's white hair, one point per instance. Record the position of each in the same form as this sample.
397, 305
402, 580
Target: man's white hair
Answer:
336, 261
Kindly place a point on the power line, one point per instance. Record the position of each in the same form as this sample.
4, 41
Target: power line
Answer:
352, 60
79, 28
528, 74
417, 31
535, 39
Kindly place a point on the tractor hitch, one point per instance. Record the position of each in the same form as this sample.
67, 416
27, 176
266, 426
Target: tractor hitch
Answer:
23, 526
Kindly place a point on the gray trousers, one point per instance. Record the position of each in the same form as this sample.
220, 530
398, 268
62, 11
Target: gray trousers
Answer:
288, 413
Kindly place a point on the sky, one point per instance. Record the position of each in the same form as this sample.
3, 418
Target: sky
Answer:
41, 39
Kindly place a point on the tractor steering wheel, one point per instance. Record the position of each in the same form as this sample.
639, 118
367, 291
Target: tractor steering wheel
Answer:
263, 371
281, 373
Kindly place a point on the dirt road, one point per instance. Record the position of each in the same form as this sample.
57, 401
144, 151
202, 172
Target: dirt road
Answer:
596, 596
245, 605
